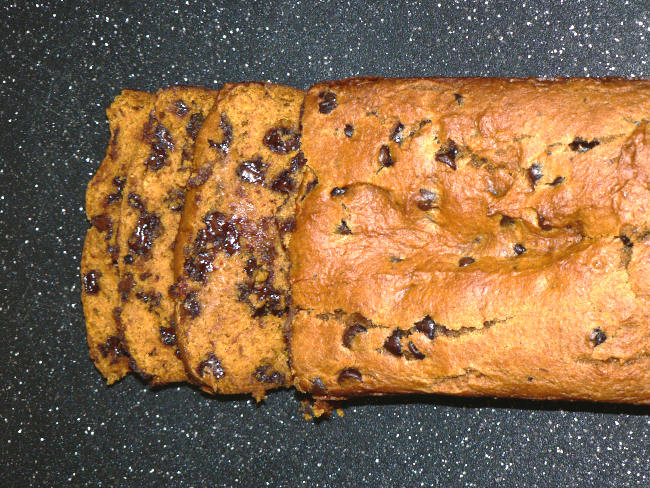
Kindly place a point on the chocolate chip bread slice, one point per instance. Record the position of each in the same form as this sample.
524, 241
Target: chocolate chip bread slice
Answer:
474, 237
151, 211
99, 262
230, 256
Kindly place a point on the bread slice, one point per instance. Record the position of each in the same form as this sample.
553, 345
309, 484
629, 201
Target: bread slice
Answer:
99, 262
475, 237
153, 201
230, 257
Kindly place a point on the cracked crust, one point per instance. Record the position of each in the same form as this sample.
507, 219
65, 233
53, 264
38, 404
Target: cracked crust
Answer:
230, 255
99, 265
512, 214
153, 200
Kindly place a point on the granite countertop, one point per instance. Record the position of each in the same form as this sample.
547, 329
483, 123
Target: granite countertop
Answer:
62, 64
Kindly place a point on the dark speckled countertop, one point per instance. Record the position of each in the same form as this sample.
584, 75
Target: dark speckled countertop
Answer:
62, 64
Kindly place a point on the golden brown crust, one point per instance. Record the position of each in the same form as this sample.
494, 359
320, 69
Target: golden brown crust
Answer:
99, 266
475, 237
230, 258
151, 211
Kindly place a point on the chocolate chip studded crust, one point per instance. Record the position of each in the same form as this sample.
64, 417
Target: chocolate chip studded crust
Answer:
475, 237
233, 269
153, 201
99, 262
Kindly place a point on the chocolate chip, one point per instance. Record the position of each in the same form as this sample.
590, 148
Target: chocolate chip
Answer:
244, 292
427, 326
506, 221
283, 183
262, 311
413, 349
251, 266
220, 231
272, 298
393, 343
193, 126
465, 261
146, 231
91, 282
534, 173
178, 289
262, 375
519, 249
162, 137
191, 305
117, 315
128, 259
125, 285
351, 332
157, 160
168, 336
543, 223
343, 228
200, 176
135, 201
212, 365
282, 140
103, 223
226, 129
181, 109
349, 374
427, 199
113, 347
318, 387
396, 135
447, 154
328, 102
581, 145
385, 158
348, 130
459, 98
627, 242
597, 336
253, 171
112, 198
297, 162
556, 181
269, 300
198, 266
287, 225
114, 253
175, 200
151, 297
161, 142
336, 191
188, 151
118, 183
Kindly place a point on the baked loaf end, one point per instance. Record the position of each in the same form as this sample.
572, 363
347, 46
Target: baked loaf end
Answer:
474, 237
230, 257
99, 262
151, 211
